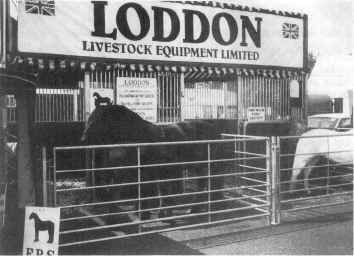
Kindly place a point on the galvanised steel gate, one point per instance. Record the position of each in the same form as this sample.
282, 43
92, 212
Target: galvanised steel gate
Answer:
318, 173
102, 199
103, 196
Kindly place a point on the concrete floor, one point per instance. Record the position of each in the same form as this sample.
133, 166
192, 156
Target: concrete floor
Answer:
335, 238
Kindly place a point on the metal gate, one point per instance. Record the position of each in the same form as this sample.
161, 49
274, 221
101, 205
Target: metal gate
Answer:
102, 200
326, 179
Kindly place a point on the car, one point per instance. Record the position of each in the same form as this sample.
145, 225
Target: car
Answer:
332, 121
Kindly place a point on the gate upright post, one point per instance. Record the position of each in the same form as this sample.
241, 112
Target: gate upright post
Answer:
275, 181
44, 176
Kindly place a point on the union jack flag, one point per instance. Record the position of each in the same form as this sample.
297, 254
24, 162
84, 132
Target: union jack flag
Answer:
43, 7
290, 31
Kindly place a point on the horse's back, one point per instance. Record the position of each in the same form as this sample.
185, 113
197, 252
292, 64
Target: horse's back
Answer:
337, 146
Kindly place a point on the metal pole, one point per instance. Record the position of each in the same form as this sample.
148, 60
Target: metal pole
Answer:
93, 174
275, 193
54, 177
328, 172
182, 106
269, 177
44, 176
75, 105
4, 10
209, 185
139, 186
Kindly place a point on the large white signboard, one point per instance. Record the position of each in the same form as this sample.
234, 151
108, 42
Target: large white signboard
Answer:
139, 95
41, 234
161, 31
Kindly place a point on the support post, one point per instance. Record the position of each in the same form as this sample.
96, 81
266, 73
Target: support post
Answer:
25, 164
182, 104
269, 177
44, 176
275, 181
3, 124
75, 106
87, 107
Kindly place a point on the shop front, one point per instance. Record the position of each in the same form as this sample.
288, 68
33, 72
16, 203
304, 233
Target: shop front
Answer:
166, 61
200, 60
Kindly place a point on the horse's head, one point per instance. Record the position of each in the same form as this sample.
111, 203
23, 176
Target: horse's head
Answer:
114, 124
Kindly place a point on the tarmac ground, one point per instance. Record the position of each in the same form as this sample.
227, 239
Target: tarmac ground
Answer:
327, 230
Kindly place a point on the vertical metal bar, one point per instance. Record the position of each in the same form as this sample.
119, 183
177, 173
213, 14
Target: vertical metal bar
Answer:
284, 98
75, 106
256, 90
327, 179
209, 184
169, 90
239, 100
275, 154
224, 87
158, 99
54, 177
182, 97
288, 90
163, 96
269, 177
266, 93
175, 97
139, 185
93, 174
3, 139
87, 107
44, 176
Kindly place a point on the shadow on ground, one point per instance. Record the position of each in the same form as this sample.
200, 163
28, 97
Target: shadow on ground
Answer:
149, 244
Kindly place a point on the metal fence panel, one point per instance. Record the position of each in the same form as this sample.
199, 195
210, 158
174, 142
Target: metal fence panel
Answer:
127, 198
318, 173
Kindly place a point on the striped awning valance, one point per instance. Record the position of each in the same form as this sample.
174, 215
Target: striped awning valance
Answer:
191, 72
232, 6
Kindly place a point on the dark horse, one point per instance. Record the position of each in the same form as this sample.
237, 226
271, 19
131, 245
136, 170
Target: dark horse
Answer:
117, 124
40, 225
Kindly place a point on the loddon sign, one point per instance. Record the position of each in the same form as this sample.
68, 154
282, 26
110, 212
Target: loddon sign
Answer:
160, 31
139, 95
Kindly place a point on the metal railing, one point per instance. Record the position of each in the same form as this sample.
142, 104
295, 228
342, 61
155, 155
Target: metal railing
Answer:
236, 178
142, 196
319, 173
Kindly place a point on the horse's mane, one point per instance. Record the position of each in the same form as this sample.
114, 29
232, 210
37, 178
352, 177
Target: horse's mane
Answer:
115, 111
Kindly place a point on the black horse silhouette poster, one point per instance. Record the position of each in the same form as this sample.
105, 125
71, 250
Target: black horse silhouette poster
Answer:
100, 97
41, 234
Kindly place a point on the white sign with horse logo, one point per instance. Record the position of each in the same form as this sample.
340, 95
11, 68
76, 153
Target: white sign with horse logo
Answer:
41, 234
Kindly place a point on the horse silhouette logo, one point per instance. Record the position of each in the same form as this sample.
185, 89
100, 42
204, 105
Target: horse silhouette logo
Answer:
40, 225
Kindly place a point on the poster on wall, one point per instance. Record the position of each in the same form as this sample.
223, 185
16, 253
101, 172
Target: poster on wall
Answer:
100, 97
41, 233
139, 95
255, 114
161, 31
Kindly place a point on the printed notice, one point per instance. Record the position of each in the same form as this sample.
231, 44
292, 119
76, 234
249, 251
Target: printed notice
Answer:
139, 95
255, 114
